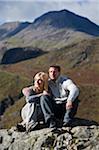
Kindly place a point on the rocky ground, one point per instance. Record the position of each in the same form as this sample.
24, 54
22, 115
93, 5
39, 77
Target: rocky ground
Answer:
84, 136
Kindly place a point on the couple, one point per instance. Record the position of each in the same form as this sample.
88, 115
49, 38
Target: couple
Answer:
51, 99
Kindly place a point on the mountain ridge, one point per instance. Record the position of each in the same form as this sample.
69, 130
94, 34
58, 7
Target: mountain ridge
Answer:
57, 20
11, 28
65, 18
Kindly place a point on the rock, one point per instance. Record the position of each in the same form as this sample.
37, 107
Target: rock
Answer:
67, 138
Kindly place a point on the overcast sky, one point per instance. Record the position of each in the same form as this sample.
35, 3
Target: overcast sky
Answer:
28, 10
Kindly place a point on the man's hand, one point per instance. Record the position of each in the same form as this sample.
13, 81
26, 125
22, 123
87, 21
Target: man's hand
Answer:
69, 104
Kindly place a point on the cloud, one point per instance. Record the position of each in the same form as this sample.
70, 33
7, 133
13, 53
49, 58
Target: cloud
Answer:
28, 10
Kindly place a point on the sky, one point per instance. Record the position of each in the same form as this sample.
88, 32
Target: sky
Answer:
29, 10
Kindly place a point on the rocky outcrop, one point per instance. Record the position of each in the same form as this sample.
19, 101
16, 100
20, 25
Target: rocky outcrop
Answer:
65, 138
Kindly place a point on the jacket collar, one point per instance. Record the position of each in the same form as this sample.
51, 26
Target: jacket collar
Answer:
57, 81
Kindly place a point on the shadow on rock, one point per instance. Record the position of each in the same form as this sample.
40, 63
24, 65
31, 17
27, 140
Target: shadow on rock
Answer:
83, 122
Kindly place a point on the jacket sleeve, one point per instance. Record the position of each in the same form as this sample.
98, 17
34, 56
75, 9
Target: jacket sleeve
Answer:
30, 95
73, 89
27, 91
33, 98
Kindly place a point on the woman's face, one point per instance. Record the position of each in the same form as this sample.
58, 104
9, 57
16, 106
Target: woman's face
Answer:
39, 83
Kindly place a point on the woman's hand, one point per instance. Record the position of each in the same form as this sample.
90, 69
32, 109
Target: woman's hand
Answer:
26, 91
45, 93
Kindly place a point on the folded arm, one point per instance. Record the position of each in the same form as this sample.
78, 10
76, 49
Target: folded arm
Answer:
73, 92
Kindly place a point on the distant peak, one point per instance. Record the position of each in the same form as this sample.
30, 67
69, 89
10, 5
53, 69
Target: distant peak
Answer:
66, 19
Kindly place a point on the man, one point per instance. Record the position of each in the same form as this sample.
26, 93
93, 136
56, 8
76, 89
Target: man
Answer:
63, 102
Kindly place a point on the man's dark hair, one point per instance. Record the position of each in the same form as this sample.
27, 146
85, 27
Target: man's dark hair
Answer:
56, 67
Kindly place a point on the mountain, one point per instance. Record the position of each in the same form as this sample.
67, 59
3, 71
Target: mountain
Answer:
48, 23
48, 32
10, 29
59, 37
67, 19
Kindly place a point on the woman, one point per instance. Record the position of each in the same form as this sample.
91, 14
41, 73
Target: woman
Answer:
31, 113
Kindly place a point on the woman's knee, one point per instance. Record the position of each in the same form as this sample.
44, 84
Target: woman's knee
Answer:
44, 97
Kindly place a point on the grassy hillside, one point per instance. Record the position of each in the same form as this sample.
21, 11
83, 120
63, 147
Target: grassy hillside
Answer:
11, 84
83, 54
12, 114
89, 105
80, 61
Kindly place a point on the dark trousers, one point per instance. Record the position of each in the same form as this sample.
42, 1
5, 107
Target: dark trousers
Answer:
51, 110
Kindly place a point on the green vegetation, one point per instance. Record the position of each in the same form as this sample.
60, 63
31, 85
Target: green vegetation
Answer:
11, 84
12, 114
43, 44
89, 105
15, 42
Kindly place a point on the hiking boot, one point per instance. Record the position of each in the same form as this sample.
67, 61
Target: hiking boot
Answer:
32, 126
67, 124
52, 123
20, 127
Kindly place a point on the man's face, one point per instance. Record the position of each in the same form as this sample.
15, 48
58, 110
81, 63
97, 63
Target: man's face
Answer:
53, 73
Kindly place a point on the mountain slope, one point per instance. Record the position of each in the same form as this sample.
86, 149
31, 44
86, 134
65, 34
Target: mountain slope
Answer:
11, 84
78, 61
11, 28
80, 55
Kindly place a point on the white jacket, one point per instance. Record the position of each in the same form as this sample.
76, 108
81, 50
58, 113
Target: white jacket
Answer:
63, 89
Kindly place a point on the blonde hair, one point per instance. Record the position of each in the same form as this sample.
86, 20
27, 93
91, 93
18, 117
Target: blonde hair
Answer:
43, 76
